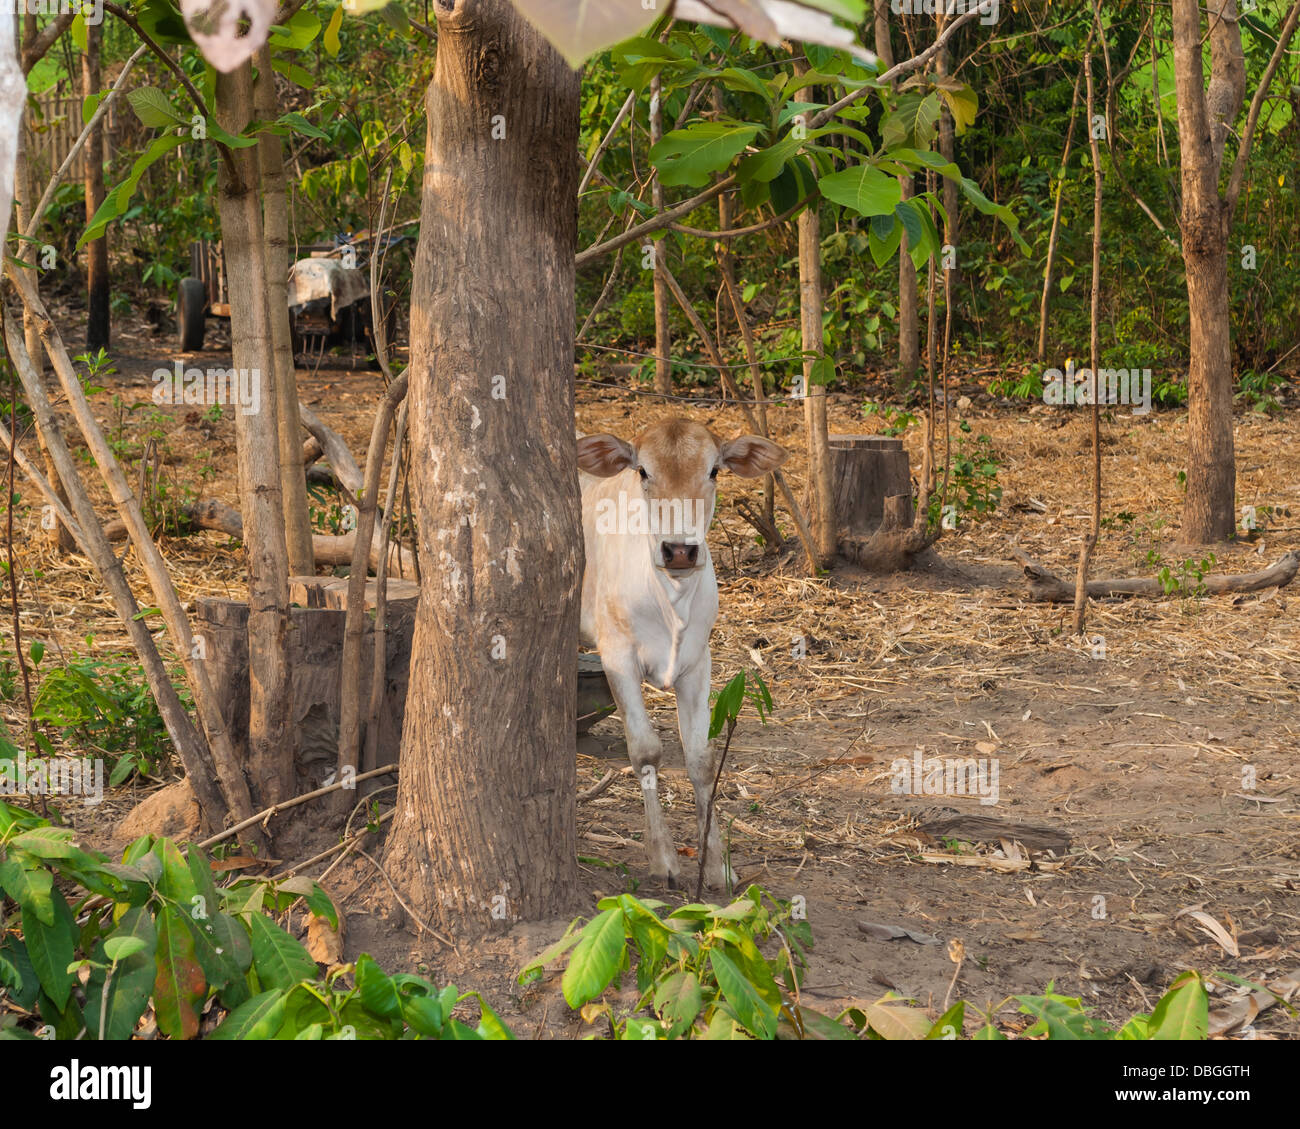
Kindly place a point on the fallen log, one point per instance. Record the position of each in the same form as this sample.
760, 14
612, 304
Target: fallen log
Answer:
211, 513
335, 450
1050, 588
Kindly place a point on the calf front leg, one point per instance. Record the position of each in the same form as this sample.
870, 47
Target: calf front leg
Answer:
692, 688
624, 677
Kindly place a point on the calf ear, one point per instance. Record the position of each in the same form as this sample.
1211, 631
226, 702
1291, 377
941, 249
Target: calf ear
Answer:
751, 456
604, 455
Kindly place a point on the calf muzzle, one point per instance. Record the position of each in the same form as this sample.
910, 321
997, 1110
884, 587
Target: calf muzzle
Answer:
678, 556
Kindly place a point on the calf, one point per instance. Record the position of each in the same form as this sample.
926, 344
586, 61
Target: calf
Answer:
650, 596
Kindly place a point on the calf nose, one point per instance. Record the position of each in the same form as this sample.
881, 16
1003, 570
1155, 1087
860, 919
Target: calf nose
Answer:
679, 555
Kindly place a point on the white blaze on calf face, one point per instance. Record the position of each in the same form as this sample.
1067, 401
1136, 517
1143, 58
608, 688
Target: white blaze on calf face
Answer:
650, 596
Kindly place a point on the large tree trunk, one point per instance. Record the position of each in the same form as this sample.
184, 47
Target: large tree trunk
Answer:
485, 824
97, 284
1205, 118
275, 235
270, 734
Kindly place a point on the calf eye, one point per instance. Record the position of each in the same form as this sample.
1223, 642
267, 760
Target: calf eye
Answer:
641, 471
713, 473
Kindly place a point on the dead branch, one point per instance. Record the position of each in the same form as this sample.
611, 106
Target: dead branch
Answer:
1050, 588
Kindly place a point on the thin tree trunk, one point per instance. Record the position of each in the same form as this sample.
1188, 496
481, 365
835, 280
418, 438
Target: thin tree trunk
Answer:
909, 342
486, 812
97, 280
284, 379
234, 787
1050, 267
663, 330
825, 534
1205, 117
271, 735
948, 150
1094, 358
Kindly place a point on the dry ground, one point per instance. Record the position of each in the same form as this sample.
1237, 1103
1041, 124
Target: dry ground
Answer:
1171, 762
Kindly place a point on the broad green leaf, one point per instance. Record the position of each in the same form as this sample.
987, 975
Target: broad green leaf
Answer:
179, 987
378, 993
1183, 1012
572, 935
863, 188
963, 104
912, 122
279, 959
423, 1015
30, 888
298, 33
258, 1018
52, 947
331, 38
678, 1000
48, 842
132, 945
154, 109
735, 78
596, 960
758, 1016
116, 200
949, 1025
692, 155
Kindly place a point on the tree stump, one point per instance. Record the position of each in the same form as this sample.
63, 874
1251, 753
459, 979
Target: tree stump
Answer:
315, 652
871, 481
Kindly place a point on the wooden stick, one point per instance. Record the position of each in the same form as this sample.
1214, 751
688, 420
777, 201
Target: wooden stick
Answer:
234, 788
354, 620
195, 756
275, 809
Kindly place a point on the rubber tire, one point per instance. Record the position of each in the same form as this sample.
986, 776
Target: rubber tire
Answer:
191, 306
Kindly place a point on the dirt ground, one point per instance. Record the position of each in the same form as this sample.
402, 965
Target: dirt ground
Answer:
1164, 746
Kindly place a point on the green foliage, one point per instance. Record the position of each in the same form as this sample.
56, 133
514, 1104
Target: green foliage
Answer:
1186, 580
159, 931
104, 706
972, 480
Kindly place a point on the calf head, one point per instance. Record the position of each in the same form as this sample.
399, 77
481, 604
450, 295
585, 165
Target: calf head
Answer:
671, 498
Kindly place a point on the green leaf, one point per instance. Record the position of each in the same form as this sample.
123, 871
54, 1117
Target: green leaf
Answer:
279, 959
116, 200
1183, 1012
423, 1015
734, 78
48, 842
52, 947
912, 122
330, 40
949, 1025
154, 109
963, 104
298, 33
175, 883
490, 1025
258, 1018
179, 987
864, 189
29, 887
758, 1016
133, 945
692, 155
293, 73
533, 969
596, 960
678, 1000
378, 993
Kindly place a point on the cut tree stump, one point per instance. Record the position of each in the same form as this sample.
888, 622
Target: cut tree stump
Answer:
871, 480
315, 651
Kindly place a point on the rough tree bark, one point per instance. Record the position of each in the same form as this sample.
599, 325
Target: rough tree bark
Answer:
270, 734
1205, 117
97, 281
485, 806
275, 236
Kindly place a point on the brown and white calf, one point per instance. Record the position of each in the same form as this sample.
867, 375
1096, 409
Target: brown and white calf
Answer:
650, 596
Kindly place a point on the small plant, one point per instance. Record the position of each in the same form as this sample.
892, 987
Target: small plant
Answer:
1029, 386
1257, 389
1188, 579
896, 420
972, 481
